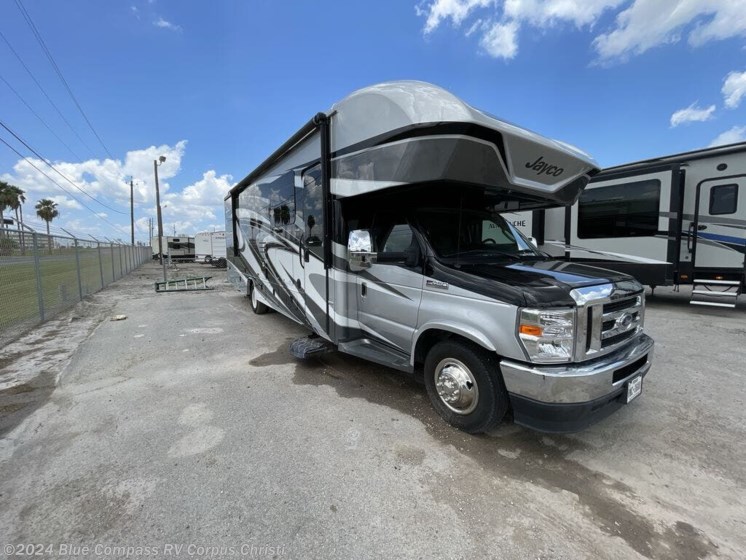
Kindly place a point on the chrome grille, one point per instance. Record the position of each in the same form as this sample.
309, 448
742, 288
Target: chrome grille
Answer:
604, 325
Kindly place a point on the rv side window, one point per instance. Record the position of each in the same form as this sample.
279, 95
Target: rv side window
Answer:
723, 199
627, 210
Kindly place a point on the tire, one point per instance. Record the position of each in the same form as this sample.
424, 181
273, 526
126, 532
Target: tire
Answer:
256, 306
480, 401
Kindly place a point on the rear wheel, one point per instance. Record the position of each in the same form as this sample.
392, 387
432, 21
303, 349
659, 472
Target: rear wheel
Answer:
256, 306
465, 387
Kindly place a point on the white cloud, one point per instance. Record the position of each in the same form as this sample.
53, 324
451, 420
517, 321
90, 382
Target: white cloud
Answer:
165, 24
438, 11
542, 13
639, 26
734, 89
195, 208
735, 134
500, 40
649, 23
692, 114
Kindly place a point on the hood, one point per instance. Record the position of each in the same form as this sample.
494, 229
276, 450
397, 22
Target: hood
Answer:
528, 283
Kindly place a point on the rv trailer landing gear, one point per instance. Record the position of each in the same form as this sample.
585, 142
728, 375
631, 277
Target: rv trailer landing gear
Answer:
465, 386
256, 306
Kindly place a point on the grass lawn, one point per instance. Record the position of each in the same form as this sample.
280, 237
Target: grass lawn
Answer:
19, 302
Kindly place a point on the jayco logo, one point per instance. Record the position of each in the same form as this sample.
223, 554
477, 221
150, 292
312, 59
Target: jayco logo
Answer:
542, 167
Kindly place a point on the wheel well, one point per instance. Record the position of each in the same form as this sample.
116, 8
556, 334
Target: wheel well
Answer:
431, 337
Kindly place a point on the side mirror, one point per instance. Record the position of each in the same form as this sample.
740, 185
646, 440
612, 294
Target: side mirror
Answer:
360, 250
533, 242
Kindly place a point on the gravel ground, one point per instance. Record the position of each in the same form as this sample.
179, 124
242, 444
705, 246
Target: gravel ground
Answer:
189, 429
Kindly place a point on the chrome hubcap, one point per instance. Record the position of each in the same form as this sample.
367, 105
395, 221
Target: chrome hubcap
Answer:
253, 296
456, 386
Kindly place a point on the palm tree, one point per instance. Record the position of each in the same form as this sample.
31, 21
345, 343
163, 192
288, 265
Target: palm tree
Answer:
47, 210
16, 198
5, 198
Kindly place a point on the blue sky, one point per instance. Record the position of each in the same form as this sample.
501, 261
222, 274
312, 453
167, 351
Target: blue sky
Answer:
217, 86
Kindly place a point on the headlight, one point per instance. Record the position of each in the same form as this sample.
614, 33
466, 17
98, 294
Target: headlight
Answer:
548, 335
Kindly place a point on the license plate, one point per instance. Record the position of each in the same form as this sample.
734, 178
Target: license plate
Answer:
634, 388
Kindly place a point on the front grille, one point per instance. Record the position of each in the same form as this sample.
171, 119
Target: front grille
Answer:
610, 324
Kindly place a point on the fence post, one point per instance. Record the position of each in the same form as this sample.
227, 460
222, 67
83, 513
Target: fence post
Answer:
100, 263
121, 268
113, 276
37, 270
77, 268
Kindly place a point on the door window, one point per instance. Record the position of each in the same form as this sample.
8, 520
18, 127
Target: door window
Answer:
723, 199
313, 210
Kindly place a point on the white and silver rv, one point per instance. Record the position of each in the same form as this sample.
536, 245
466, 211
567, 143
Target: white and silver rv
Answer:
209, 246
177, 248
679, 219
379, 226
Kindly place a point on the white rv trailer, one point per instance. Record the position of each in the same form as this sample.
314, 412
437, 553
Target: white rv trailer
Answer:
181, 248
378, 226
209, 246
679, 219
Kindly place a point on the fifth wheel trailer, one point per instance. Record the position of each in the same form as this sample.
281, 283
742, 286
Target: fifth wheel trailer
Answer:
378, 226
679, 219
181, 247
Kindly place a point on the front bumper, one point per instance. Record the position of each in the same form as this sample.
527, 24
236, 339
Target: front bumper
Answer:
570, 397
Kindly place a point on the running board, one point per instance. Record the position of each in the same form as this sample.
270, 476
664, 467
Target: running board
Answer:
310, 346
376, 352
716, 293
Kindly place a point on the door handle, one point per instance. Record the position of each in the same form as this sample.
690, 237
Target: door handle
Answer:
300, 251
689, 237
363, 289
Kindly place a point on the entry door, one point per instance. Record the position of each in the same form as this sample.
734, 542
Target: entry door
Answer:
718, 234
310, 274
389, 292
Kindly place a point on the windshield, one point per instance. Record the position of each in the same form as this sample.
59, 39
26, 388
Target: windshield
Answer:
470, 233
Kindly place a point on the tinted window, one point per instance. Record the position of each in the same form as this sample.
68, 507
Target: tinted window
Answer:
723, 199
399, 239
313, 210
628, 210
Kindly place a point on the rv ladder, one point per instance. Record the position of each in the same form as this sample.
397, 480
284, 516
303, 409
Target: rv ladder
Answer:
716, 293
183, 284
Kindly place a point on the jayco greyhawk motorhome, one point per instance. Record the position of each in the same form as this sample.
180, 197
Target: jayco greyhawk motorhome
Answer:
378, 226
678, 219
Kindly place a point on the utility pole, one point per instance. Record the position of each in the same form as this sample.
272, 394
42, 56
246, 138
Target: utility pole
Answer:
132, 211
156, 162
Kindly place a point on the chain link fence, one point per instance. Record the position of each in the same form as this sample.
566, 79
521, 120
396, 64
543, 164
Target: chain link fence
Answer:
41, 275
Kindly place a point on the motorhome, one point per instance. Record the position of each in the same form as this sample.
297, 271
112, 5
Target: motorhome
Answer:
209, 246
175, 248
378, 226
672, 220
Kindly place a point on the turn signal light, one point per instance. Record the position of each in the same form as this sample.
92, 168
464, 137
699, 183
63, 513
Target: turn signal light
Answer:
531, 330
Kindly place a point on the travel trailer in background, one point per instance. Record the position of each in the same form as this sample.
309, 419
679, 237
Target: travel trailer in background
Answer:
378, 225
209, 247
679, 219
181, 248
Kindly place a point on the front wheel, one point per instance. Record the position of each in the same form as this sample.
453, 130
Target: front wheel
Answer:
256, 306
465, 387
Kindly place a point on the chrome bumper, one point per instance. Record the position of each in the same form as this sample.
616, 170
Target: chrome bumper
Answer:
578, 382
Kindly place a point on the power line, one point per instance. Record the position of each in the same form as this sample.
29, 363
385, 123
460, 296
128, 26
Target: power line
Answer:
52, 103
56, 68
19, 96
91, 210
65, 177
